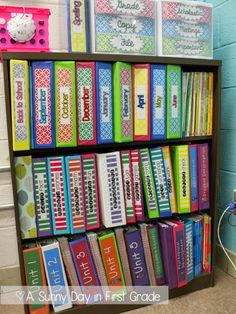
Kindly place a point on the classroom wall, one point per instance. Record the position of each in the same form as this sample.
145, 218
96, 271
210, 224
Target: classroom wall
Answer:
9, 264
224, 25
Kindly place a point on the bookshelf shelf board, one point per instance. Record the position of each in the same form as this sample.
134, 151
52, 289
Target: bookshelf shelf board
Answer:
109, 147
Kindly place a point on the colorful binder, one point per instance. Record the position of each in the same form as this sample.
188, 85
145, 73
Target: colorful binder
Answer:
86, 103
141, 101
90, 187
160, 179
158, 101
128, 186
156, 253
104, 99
179, 250
147, 252
42, 104
35, 277
97, 258
78, 28
25, 197
137, 183
203, 172
167, 249
169, 178
148, 184
193, 165
123, 119
180, 159
56, 276
41, 196
120, 240
111, 261
19, 74
58, 195
74, 176
65, 103
174, 102
188, 229
136, 257
85, 267
111, 189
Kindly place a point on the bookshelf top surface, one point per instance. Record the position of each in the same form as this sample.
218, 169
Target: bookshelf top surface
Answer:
109, 57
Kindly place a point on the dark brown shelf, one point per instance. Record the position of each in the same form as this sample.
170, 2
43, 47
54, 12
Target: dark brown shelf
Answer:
109, 147
108, 57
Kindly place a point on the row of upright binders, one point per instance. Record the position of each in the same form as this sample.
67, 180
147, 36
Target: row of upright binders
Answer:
67, 103
168, 252
73, 194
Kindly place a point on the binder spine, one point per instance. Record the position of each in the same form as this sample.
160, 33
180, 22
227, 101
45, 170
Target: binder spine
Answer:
41, 196
193, 177
148, 184
86, 103
58, 195
158, 101
160, 181
20, 104
138, 195
43, 104
104, 98
188, 229
91, 200
128, 186
75, 193
203, 171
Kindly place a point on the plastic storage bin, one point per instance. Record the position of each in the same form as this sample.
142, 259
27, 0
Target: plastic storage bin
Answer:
24, 29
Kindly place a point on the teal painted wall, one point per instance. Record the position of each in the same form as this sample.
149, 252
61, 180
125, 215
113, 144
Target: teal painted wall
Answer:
224, 26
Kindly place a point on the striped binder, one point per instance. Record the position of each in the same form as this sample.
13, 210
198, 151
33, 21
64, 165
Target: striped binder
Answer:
56, 276
90, 184
41, 196
128, 186
148, 184
137, 182
75, 193
111, 189
58, 195
160, 181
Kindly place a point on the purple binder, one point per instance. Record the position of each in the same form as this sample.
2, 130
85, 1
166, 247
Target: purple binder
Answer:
136, 257
168, 256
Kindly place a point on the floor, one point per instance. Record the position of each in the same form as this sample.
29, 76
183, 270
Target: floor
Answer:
218, 300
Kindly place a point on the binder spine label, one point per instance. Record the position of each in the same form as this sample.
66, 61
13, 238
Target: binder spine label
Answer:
193, 177
43, 104
160, 181
75, 193
91, 192
65, 103
104, 102
128, 186
58, 195
204, 198
86, 103
138, 196
169, 178
184, 178
158, 102
20, 104
42, 202
126, 103
148, 183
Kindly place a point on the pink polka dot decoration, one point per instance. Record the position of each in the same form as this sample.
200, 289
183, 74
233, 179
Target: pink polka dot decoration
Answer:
24, 29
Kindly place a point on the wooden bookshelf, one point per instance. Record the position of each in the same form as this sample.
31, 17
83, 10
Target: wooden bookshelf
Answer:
201, 282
